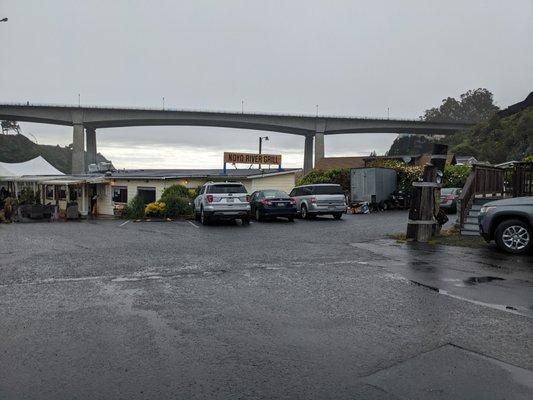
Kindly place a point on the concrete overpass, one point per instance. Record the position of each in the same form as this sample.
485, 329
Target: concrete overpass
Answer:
85, 121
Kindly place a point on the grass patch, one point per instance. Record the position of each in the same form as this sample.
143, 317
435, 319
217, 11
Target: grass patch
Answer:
447, 237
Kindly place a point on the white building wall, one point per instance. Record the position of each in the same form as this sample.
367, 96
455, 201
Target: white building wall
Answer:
105, 204
283, 182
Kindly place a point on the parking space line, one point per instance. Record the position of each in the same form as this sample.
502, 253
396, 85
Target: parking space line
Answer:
193, 224
124, 223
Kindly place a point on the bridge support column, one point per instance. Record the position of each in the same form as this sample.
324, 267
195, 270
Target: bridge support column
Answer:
319, 147
308, 154
91, 145
78, 149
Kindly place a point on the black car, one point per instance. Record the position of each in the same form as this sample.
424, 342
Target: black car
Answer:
271, 204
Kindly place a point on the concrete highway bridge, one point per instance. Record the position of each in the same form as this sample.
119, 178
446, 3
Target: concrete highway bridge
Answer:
86, 120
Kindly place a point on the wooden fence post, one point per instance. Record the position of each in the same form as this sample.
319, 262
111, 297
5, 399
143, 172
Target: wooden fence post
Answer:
426, 198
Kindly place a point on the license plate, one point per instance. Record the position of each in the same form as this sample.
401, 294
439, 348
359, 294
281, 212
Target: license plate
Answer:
331, 207
281, 204
230, 200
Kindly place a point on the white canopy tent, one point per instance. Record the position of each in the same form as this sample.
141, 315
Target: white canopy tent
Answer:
36, 166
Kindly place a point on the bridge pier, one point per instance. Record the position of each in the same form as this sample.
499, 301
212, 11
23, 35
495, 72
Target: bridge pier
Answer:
91, 146
319, 147
78, 149
308, 154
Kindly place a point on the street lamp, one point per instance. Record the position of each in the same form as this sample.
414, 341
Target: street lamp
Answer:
261, 144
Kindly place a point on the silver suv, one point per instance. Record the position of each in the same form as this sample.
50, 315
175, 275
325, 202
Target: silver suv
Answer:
319, 199
509, 223
222, 200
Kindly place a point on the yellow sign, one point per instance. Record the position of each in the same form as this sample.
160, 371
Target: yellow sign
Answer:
247, 158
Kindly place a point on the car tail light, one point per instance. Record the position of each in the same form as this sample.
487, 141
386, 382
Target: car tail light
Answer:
449, 197
247, 198
293, 201
209, 198
313, 200
266, 202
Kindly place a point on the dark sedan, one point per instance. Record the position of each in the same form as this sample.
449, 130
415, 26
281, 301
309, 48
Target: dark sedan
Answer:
448, 199
272, 204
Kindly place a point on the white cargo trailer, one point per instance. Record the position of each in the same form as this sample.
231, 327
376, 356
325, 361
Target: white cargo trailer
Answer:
372, 185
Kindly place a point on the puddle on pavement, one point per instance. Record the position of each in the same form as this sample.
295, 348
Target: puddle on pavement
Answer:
474, 280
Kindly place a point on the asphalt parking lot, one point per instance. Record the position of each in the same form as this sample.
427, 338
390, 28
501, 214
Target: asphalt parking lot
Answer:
310, 309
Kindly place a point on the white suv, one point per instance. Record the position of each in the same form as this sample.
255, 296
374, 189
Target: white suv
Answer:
222, 200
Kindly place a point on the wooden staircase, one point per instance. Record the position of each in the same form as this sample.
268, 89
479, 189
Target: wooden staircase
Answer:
470, 226
487, 183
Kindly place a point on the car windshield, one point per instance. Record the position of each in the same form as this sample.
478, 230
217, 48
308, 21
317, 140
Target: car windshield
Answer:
226, 189
274, 193
328, 189
448, 191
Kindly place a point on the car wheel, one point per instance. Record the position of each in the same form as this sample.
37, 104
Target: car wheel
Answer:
514, 236
196, 216
383, 205
258, 216
303, 212
204, 219
337, 215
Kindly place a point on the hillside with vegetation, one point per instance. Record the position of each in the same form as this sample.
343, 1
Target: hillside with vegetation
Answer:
497, 137
18, 148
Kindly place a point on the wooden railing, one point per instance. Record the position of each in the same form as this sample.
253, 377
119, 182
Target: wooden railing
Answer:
483, 180
522, 180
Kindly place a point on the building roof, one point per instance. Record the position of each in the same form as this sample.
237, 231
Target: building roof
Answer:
35, 166
464, 159
197, 173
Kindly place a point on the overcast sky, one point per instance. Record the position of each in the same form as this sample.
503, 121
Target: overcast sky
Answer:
349, 57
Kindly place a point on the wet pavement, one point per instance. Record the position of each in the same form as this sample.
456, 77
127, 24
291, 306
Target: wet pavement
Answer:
310, 310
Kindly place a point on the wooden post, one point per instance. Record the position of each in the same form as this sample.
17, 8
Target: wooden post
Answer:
426, 197
438, 159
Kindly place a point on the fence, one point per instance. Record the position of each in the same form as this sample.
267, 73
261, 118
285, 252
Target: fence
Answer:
483, 180
522, 180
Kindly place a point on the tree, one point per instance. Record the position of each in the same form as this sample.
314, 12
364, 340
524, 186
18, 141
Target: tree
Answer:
473, 106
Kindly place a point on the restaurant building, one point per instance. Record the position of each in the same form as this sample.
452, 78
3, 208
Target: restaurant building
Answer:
105, 193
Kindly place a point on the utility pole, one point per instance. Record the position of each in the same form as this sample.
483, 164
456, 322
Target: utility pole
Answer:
163, 102
388, 113
79, 100
261, 145
317, 110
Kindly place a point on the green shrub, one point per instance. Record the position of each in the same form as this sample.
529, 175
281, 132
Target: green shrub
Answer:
177, 207
455, 175
177, 200
175, 191
134, 209
340, 176
529, 159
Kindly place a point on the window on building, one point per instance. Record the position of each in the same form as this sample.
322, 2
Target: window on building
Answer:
147, 194
50, 192
120, 194
62, 192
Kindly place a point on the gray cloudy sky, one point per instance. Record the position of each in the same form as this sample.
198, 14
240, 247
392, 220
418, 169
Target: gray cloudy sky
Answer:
350, 57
